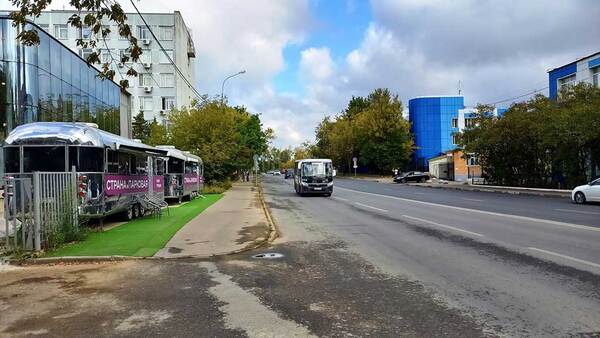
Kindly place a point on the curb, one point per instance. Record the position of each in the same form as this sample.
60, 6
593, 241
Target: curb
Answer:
117, 258
507, 190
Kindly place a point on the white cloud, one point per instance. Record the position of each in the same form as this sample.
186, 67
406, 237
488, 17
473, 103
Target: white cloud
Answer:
316, 64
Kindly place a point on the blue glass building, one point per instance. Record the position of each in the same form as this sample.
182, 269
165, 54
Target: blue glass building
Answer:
432, 125
49, 82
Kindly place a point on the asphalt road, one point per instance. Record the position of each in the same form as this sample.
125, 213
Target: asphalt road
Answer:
376, 260
521, 266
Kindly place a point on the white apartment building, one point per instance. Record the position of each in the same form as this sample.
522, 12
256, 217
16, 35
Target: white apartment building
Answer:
158, 87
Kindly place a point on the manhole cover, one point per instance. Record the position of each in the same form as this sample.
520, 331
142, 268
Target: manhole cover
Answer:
268, 255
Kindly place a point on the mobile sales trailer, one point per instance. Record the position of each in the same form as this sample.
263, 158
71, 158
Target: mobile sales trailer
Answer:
119, 173
314, 176
182, 173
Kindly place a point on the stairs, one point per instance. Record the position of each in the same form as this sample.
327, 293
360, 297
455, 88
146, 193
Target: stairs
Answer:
154, 206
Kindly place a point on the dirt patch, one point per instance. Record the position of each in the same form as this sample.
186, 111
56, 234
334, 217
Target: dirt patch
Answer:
173, 249
250, 234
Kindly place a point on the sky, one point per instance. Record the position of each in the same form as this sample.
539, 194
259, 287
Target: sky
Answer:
305, 59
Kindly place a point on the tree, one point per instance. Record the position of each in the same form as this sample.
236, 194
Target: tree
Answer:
540, 142
140, 128
158, 134
92, 14
225, 138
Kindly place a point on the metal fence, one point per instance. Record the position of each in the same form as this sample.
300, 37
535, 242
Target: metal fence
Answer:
37, 206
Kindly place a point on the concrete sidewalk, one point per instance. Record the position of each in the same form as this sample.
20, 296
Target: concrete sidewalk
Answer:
237, 221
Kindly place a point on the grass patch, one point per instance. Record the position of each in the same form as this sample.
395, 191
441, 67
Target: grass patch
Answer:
141, 237
217, 187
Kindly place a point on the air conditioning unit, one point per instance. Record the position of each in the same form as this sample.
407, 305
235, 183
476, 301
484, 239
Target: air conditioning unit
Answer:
146, 41
147, 65
121, 65
148, 89
162, 113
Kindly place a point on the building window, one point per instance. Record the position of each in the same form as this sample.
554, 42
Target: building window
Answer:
145, 102
102, 29
596, 76
144, 33
146, 56
454, 123
470, 123
61, 32
86, 52
472, 160
167, 80
124, 53
168, 103
86, 32
145, 80
105, 56
455, 138
163, 57
566, 81
166, 32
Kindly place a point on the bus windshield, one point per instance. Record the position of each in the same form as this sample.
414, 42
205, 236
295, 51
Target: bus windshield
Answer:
316, 169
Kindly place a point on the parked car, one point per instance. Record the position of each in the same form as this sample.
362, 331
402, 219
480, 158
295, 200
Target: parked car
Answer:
587, 193
412, 176
276, 173
289, 173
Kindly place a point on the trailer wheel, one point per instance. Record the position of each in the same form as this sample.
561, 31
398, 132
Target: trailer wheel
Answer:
141, 210
135, 211
129, 214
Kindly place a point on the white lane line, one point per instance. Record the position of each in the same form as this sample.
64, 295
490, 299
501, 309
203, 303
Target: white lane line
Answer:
341, 199
419, 193
370, 207
579, 211
473, 199
565, 257
491, 213
443, 225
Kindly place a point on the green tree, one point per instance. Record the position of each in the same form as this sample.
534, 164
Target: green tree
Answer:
140, 128
158, 134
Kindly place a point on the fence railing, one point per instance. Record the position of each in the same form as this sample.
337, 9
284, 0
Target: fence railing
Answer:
37, 207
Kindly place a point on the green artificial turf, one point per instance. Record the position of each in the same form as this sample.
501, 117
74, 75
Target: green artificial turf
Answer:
141, 237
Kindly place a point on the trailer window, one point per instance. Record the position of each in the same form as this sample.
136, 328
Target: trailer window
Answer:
91, 159
11, 159
141, 165
51, 158
159, 166
124, 163
112, 160
191, 168
175, 166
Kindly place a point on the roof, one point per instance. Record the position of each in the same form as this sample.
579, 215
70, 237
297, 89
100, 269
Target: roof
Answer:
314, 160
572, 62
434, 96
73, 133
173, 152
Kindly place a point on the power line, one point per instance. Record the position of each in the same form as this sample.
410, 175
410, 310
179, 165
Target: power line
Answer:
166, 54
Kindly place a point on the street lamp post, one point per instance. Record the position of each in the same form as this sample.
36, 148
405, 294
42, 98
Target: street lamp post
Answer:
227, 78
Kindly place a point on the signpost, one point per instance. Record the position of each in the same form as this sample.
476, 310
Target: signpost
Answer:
354, 159
255, 157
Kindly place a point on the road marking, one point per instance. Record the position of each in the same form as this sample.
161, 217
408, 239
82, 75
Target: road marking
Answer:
565, 257
491, 213
443, 225
341, 199
473, 199
419, 193
370, 207
579, 211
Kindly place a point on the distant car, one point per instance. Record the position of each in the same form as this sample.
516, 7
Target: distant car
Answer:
587, 193
289, 173
276, 173
412, 176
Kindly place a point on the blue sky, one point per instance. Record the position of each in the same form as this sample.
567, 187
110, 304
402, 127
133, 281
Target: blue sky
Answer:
337, 24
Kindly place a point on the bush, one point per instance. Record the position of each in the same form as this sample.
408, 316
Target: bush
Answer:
216, 187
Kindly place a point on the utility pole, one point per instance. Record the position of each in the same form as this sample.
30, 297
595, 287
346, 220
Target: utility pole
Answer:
225, 80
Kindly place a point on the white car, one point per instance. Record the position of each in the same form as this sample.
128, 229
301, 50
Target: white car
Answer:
587, 193
276, 173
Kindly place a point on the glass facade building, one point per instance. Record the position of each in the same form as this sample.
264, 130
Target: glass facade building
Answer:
433, 123
49, 82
